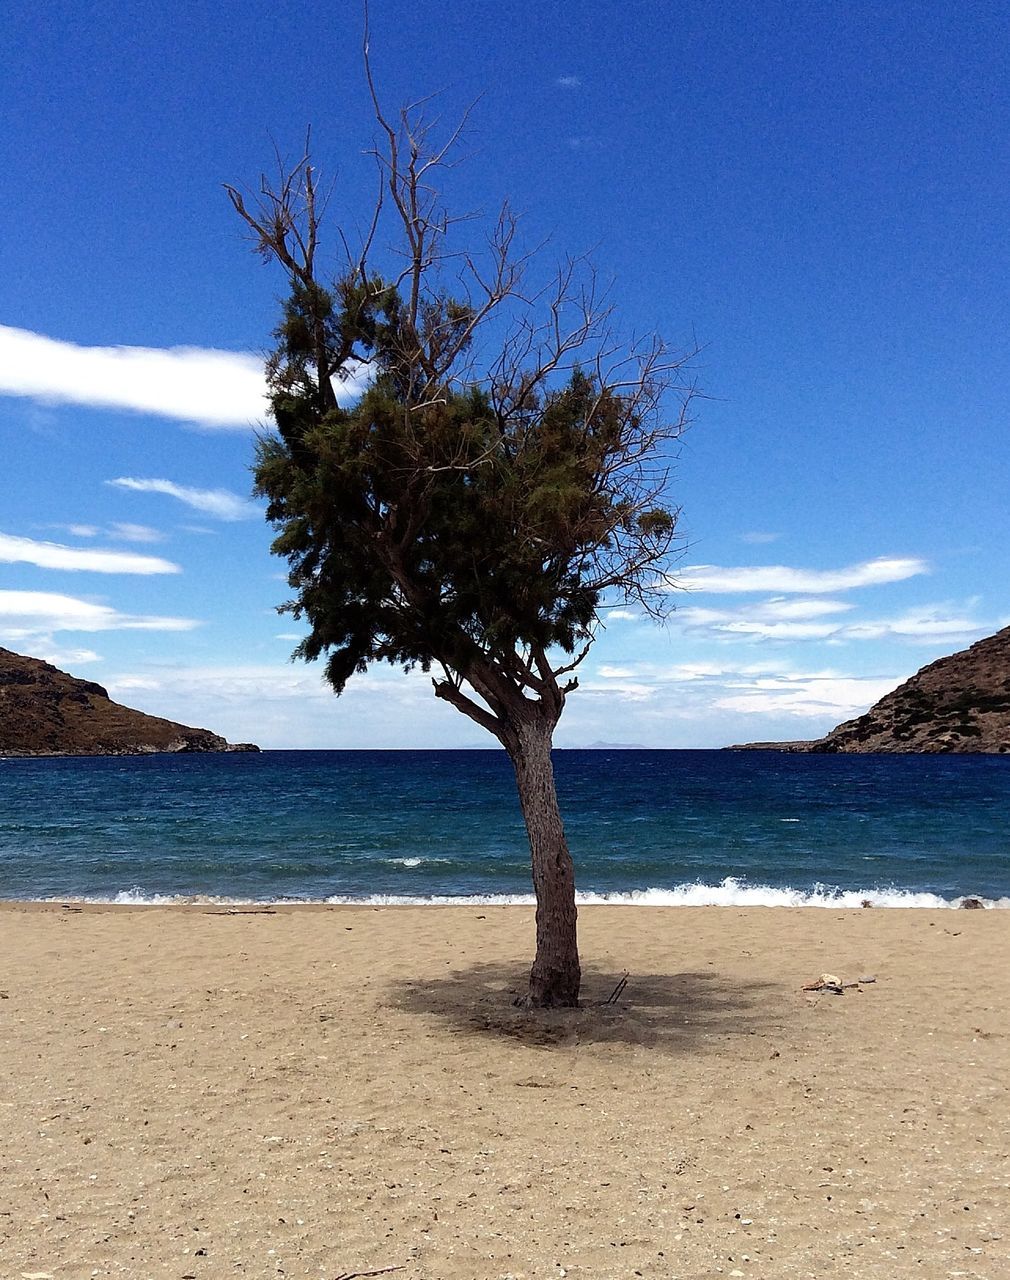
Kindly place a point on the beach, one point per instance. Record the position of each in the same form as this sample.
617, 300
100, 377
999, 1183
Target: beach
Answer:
208, 1091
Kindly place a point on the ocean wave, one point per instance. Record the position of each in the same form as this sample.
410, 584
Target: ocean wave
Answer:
414, 862
730, 892
137, 897
733, 892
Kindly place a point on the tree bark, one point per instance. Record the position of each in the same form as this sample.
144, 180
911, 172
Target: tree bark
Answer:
555, 976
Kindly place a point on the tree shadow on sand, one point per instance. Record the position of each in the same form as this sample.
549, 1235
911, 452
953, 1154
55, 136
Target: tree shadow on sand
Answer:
676, 1013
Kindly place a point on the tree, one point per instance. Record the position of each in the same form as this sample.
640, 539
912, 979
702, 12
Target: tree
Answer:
500, 480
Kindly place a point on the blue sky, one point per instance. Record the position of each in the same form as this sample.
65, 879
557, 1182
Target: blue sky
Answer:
815, 193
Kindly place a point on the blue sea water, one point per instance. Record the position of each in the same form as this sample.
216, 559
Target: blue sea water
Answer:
673, 827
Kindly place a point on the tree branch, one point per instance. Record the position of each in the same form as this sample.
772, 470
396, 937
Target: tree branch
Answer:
450, 693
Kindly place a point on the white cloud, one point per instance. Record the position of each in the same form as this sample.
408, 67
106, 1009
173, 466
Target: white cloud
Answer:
65, 658
935, 622
690, 704
688, 672
135, 532
28, 613
804, 619
781, 578
197, 385
191, 384
220, 503
802, 610
624, 690
782, 630
716, 671
568, 82
749, 688
805, 695
53, 555
120, 530
757, 538
285, 704
774, 610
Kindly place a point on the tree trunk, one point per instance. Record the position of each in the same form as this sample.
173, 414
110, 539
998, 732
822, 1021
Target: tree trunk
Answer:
555, 976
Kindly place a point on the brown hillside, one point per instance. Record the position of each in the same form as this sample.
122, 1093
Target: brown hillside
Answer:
958, 703
44, 711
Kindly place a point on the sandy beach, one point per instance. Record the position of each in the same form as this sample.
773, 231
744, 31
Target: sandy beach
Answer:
209, 1092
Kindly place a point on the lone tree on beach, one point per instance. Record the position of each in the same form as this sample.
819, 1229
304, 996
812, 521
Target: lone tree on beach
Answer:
499, 482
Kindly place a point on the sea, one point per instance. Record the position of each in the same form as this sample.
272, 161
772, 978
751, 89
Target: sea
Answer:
671, 828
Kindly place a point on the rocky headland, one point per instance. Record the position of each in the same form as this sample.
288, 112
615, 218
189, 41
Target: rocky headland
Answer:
959, 703
46, 712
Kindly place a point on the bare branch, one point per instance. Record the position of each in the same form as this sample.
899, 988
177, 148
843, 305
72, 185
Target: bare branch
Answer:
576, 661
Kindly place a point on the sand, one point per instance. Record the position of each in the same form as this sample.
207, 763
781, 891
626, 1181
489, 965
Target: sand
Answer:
313, 1093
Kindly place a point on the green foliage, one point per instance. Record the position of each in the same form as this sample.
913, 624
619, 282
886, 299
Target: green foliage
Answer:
447, 520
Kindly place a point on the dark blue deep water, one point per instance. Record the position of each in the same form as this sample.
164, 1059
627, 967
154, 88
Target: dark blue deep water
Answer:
660, 826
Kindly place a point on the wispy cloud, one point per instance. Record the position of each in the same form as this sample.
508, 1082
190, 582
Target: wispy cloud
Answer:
220, 503
65, 658
781, 619
806, 619
197, 385
778, 578
27, 613
568, 82
774, 610
780, 630
928, 623
760, 688
803, 694
134, 532
121, 531
53, 555
757, 538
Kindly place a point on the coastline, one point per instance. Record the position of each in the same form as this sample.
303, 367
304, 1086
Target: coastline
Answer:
732, 893
305, 1090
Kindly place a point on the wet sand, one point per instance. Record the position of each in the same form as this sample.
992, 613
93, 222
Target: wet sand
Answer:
199, 1092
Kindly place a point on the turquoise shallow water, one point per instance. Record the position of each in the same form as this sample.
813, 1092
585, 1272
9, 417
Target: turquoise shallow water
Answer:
652, 826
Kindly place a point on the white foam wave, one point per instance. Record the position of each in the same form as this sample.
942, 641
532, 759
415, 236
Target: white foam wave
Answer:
137, 897
730, 892
412, 862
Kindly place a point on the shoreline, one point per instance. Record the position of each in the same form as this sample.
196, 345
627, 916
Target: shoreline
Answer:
310, 1089
689, 897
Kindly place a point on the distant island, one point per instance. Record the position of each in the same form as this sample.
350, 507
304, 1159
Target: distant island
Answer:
46, 712
960, 703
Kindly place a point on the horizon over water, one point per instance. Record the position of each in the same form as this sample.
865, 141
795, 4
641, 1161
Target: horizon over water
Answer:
651, 827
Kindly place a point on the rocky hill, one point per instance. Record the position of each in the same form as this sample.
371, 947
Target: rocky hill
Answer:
45, 712
958, 703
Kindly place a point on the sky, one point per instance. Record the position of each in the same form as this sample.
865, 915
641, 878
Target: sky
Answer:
814, 194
